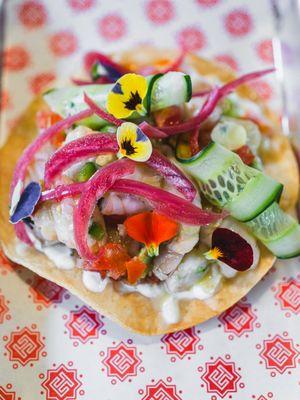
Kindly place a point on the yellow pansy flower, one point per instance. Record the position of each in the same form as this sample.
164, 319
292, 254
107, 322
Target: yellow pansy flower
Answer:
133, 143
127, 96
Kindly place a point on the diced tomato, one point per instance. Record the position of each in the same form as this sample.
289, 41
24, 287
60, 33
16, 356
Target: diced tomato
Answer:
135, 269
168, 116
246, 154
112, 259
45, 119
204, 137
194, 141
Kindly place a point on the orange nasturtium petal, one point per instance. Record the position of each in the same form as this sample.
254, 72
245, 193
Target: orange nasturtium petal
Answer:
135, 269
151, 228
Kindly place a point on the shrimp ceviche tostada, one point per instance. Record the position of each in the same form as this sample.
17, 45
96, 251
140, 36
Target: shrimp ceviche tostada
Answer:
159, 191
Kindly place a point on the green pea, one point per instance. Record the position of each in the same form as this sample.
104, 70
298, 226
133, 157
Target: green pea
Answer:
86, 172
96, 231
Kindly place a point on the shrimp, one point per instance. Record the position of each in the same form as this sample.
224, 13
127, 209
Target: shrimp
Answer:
123, 204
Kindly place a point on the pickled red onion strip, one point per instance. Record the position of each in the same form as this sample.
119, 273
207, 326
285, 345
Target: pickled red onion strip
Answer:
214, 96
172, 174
101, 113
97, 186
113, 69
28, 156
29, 153
63, 191
77, 150
152, 131
167, 203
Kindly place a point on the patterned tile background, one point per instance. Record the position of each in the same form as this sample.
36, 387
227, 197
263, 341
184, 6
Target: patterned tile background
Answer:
54, 347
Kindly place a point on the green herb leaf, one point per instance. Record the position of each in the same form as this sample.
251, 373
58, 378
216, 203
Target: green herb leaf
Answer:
96, 231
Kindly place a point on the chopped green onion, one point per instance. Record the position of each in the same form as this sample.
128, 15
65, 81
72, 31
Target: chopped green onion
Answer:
86, 172
96, 231
94, 72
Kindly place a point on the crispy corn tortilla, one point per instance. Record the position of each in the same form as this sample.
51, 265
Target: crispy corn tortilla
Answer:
133, 310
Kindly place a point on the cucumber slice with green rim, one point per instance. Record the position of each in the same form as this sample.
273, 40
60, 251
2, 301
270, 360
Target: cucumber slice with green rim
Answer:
152, 80
258, 194
228, 183
164, 90
278, 231
172, 88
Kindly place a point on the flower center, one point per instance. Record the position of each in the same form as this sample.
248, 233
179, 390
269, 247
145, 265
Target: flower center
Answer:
127, 148
214, 254
134, 101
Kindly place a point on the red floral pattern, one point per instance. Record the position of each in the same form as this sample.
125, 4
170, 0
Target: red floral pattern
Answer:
15, 58
192, 39
84, 324
288, 294
238, 319
40, 82
61, 383
181, 343
122, 361
24, 346
3, 309
221, 377
265, 51
238, 23
160, 11
263, 89
279, 354
208, 3
5, 101
112, 27
32, 14
5, 395
63, 43
81, 5
36, 52
228, 60
45, 292
161, 391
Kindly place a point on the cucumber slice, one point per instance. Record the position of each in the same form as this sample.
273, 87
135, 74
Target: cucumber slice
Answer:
69, 101
172, 88
278, 231
165, 90
152, 80
258, 194
228, 183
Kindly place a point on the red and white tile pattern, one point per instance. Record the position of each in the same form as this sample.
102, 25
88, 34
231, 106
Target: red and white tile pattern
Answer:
52, 346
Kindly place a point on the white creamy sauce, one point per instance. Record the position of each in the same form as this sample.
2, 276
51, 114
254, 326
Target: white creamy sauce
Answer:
93, 281
170, 310
61, 256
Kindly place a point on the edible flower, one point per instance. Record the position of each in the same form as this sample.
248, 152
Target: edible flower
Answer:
27, 202
115, 261
230, 248
152, 229
133, 143
127, 96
